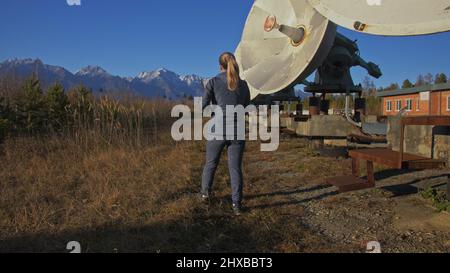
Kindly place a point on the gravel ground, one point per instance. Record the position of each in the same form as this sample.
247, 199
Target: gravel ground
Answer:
393, 214
355, 219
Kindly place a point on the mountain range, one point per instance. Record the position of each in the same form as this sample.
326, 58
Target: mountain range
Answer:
161, 83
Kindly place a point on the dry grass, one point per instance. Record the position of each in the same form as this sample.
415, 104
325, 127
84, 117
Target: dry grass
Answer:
116, 182
144, 199
51, 186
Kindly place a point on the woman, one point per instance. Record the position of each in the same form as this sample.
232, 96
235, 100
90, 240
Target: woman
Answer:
226, 88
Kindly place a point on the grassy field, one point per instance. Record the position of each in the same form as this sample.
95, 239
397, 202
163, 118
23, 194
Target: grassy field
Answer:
144, 199
115, 181
122, 199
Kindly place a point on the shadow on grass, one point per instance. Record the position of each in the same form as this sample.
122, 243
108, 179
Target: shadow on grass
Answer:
385, 174
294, 202
286, 193
403, 189
204, 235
211, 228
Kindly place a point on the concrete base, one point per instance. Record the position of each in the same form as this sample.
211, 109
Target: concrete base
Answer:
427, 141
331, 130
320, 126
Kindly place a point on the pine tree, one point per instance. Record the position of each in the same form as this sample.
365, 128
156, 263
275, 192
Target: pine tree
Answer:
5, 117
407, 84
31, 107
57, 104
393, 86
441, 78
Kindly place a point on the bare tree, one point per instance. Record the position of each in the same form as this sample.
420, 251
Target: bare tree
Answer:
420, 80
428, 79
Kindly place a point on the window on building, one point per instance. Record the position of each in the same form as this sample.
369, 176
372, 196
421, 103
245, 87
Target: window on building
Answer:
409, 103
448, 103
389, 106
418, 104
398, 106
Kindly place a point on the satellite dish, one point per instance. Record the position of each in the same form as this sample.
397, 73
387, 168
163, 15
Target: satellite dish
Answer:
271, 60
388, 17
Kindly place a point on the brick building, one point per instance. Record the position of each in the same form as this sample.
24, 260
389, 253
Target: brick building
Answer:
429, 100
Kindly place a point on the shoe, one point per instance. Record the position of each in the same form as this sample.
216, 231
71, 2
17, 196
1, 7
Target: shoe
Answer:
237, 210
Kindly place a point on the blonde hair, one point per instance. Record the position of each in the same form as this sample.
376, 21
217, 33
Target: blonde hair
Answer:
228, 62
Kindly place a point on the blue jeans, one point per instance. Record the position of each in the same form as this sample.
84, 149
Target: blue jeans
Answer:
214, 150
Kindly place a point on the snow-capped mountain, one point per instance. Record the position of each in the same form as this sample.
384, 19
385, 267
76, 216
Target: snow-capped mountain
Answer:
158, 83
171, 84
195, 82
100, 80
92, 71
192, 79
47, 73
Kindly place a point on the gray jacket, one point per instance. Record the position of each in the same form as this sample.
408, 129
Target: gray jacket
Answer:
217, 93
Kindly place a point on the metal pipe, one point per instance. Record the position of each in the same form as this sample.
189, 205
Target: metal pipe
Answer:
347, 114
297, 34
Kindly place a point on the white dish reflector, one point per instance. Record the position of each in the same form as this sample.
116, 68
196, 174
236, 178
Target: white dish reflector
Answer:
269, 61
388, 17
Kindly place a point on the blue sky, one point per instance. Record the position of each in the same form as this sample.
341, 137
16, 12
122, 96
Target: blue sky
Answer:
128, 37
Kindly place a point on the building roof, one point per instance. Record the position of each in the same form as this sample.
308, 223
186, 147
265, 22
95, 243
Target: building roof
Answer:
414, 90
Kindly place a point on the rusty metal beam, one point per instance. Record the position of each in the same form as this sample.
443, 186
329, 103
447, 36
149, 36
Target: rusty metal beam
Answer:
427, 120
389, 158
355, 167
424, 164
385, 157
349, 183
370, 174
